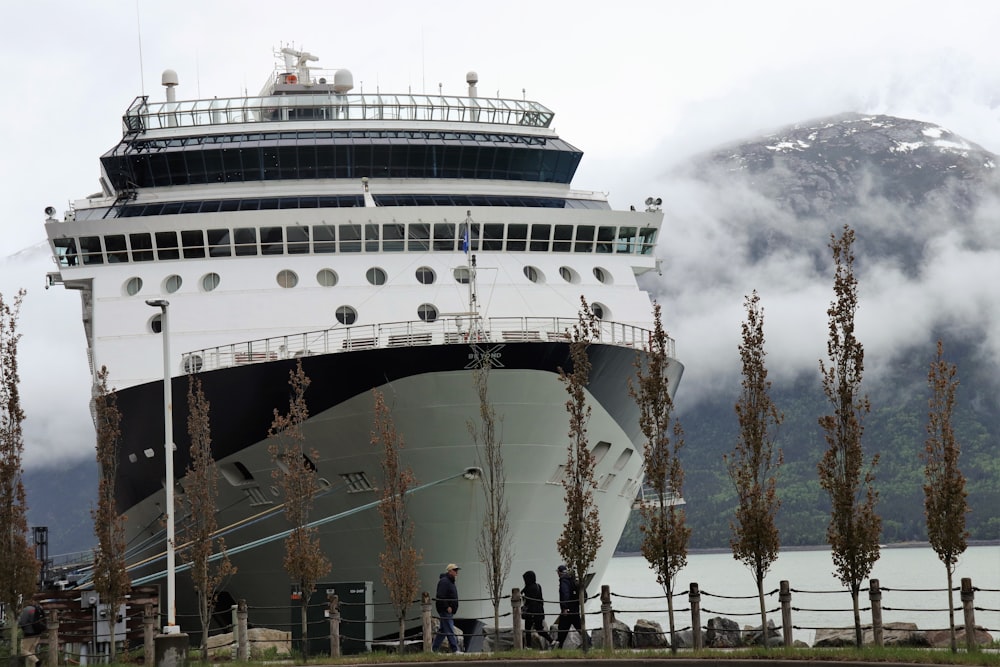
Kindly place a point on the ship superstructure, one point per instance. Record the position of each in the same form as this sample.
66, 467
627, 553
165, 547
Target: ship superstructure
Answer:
387, 242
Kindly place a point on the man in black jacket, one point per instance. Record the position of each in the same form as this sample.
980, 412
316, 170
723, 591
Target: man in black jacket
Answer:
534, 609
569, 606
446, 602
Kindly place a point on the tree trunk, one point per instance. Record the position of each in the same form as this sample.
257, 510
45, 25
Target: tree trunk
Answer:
670, 615
951, 612
583, 620
305, 625
765, 637
858, 637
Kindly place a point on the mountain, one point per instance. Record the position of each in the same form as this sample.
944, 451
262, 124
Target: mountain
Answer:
923, 203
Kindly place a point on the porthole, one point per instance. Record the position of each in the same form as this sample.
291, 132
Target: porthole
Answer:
375, 276
462, 275
210, 281
156, 323
172, 283
287, 278
569, 275
347, 315
326, 277
193, 363
425, 275
602, 275
599, 310
427, 312
133, 286
533, 274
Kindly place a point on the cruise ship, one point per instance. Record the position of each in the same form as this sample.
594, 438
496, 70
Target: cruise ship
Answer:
387, 242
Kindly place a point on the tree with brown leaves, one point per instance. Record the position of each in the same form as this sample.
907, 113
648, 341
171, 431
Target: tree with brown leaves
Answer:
753, 462
854, 527
494, 543
665, 534
399, 560
18, 565
945, 502
111, 580
296, 476
581, 535
198, 526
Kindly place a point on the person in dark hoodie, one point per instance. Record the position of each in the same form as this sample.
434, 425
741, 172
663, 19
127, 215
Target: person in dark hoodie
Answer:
533, 609
569, 606
446, 602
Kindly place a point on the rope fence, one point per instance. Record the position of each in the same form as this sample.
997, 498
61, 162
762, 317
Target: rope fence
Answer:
336, 626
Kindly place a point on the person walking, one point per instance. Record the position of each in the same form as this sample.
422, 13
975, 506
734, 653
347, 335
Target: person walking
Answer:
32, 623
569, 606
446, 602
534, 609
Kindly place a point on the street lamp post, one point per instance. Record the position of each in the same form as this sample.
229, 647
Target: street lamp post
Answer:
168, 445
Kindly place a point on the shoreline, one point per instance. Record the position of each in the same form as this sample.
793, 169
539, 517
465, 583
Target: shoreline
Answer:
818, 547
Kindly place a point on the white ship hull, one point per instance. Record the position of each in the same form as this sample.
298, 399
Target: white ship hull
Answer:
431, 411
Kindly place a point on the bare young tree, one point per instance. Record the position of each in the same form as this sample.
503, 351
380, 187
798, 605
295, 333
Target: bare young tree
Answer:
581, 535
198, 525
296, 476
854, 526
945, 502
494, 544
399, 560
753, 464
18, 565
665, 534
111, 580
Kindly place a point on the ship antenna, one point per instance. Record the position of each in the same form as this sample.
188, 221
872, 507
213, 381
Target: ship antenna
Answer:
138, 29
471, 264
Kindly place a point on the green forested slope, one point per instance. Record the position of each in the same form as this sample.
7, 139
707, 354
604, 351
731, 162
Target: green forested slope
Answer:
895, 430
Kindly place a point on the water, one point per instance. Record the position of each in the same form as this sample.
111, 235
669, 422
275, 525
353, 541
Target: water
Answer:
808, 572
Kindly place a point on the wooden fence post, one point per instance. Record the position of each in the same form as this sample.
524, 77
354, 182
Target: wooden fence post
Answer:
969, 612
785, 597
515, 607
425, 616
53, 639
694, 598
607, 616
148, 633
243, 645
334, 626
875, 596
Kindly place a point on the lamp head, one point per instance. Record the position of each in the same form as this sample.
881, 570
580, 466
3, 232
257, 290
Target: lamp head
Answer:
157, 303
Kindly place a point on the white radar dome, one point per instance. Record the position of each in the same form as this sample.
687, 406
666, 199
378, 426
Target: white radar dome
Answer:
168, 78
472, 78
343, 81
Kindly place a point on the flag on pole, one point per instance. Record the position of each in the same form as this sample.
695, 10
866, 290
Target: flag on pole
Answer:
465, 239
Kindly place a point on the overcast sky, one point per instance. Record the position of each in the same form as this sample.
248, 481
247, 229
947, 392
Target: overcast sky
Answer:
638, 86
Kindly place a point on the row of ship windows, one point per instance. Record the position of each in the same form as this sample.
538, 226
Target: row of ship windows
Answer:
326, 135
352, 238
132, 210
245, 163
347, 315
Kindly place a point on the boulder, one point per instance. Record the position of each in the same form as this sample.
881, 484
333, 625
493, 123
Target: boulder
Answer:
942, 638
648, 634
893, 634
621, 636
682, 638
506, 639
261, 639
752, 635
722, 633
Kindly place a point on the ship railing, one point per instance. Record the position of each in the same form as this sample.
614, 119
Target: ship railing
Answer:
462, 330
143, 115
